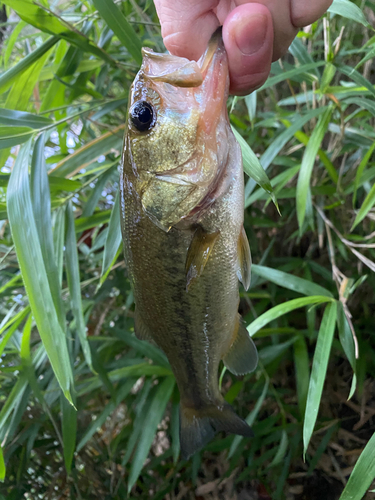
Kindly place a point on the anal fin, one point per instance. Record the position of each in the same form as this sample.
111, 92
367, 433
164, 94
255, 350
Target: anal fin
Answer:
141, 331
242, 356
198, 254
244, 260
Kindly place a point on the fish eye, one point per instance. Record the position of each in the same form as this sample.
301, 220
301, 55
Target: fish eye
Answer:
142, 115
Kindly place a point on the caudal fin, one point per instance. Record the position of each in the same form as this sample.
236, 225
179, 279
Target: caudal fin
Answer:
198, 427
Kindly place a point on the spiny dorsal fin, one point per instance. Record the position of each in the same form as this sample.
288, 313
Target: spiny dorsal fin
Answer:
199, 251
242, 356
244, 260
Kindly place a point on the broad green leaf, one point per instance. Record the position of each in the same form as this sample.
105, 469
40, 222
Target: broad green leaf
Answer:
21, 119
346, 336
48, 23
362, 475
124, 31
365, 208
11, 136
250, 419
41, 203
252, 166
9, 76
2, 465
114, 239
366, 104
72, 270
69, 432
30, 258
357, 78
295, 72
318, 371
301, 364
299, 50
12, 40
156, 410
16, 321
307, 165
289, 281
350, 10
83, 223
284, 308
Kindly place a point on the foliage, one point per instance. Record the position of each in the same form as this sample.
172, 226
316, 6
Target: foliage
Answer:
67, 307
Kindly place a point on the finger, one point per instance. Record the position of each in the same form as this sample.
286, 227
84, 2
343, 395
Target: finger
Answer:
304, 12
187, 26
248, 39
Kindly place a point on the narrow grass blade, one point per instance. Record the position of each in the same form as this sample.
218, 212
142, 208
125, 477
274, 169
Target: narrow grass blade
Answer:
299, 51
357, 78
307, 165
363, 474
361, 168
16, 321
350, 10
285, 308
69, 432
318, 371
74, 283
159, 402
113, 241
308, 68
281, 451
253, 168
33, 270
289, 281
365, 208
2, 465
114, 18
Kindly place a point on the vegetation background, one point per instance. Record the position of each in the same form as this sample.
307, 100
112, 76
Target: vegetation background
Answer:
67, 307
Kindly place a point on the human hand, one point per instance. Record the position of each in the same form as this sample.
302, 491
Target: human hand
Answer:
254, 33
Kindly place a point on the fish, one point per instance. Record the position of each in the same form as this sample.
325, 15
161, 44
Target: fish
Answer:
182, 211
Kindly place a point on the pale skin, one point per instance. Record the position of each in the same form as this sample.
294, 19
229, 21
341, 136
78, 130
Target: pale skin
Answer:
254, 33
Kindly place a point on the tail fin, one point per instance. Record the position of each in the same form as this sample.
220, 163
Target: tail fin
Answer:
198, 427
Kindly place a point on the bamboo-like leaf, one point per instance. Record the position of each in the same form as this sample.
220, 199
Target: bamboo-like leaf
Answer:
301, 363
357, 78
362, 475
156, 410
308, 161
21, 119
289, 281
30, 258
253, 168
365, 208
281, 451
113, 241
11, 136
349, 10
282, 309
318, 371
72, 270
15, 323
2, 465
120, 27
361, 168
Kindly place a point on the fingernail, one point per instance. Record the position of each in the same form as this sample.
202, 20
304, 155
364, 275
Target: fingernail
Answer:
250, 34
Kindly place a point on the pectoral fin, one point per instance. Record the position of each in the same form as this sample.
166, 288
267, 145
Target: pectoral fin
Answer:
199, 251
244, 260
242, 356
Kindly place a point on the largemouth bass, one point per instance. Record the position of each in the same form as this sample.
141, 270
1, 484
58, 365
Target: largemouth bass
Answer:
182, 204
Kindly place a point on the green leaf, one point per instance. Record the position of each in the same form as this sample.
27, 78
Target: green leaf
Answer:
116, 21
307, 165
349, 10
365, 208
282, 309
72, 270
156, 410
30, 258
11, 136
112, 247
20, 118
49, 23
292, 73
2, 465
12, 326
253, 168
318, 371
363, 474
357, 78
280, 454
360, 170
289, 281
9, 76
